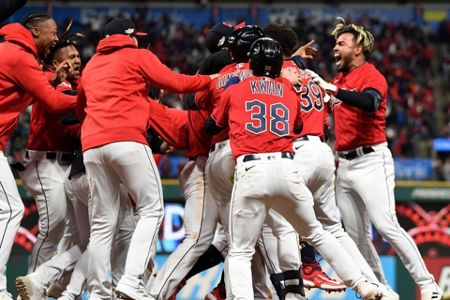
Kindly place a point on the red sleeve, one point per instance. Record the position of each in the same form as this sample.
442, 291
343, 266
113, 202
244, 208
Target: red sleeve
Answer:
169, 123
31, 78
81, 103
375, 81
220, 111
160, 75
203, 99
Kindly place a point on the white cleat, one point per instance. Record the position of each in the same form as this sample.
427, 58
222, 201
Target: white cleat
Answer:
389, 294
125, 292
436, 294
4, 295
369, 291
28, 290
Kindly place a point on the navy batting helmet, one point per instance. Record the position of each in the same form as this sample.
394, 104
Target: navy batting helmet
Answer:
266, 57
240, 41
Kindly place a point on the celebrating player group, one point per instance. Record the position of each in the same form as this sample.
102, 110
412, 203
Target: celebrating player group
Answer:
262, 192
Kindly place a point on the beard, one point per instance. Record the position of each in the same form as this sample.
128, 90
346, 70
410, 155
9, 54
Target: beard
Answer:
345, 67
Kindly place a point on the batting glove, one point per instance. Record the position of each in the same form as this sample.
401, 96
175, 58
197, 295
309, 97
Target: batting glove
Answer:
322, 83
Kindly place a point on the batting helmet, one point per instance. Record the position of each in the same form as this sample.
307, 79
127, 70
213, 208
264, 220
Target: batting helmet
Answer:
266, 57
240, 41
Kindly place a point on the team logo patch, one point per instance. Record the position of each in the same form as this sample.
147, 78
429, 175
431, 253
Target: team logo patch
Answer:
129, 31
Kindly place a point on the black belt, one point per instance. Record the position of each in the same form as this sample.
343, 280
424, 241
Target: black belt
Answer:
305, 138
250, 157
62, 157
354, 154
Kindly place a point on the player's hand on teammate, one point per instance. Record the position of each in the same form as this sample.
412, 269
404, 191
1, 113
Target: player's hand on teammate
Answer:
293, 76
62, 71
165, 148
307, 51
322, 83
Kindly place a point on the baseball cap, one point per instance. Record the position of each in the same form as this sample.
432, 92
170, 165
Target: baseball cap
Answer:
122, 26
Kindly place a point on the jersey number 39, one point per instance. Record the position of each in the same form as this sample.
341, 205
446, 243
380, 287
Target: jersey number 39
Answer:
276, 121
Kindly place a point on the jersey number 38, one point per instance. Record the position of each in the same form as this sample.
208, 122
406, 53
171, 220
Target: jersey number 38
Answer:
275, 119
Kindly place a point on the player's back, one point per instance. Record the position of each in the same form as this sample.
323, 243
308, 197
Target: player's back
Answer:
263, 113
314, 114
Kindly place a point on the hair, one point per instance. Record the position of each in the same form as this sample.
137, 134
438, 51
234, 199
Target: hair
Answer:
66, 39
362, 36
35, 19
284, 35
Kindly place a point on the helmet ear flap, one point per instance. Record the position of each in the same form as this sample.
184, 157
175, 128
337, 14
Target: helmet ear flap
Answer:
266, 57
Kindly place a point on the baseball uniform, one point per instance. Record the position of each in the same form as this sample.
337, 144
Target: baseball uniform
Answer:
317, 167
49, 152
365, 176
266, 177
21, 79
114, 89
200, 214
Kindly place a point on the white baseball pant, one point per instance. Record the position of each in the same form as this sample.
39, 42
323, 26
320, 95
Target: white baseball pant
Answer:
275, 182
43, 178
131, 164
11, 212
77, 189
200, 221
316, 165
220, 185
365, 193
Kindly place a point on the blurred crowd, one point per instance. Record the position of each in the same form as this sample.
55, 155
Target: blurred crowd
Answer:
411, 57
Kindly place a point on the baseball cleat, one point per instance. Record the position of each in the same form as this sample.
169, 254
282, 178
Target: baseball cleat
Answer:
369, 291
125, 292
434, 295
27, 289
314, 277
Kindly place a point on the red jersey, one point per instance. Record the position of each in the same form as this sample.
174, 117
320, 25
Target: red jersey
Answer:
199, 142
47, 133
355, 127
212, 96
21, 80
114, 88
169, 123
314, 115
262, 113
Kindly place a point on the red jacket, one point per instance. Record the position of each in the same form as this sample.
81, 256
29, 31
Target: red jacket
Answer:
170, 124
47, 133
22, 81
113, 92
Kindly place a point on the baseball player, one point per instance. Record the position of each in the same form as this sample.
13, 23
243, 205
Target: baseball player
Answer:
220, 183
200, 216
220, 158
20, 77
49, 153
114, 106
77, 189
263, 113
365, 176
319, 177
